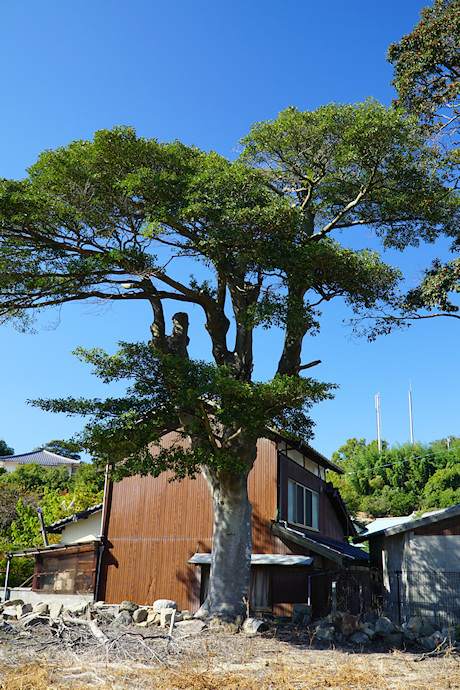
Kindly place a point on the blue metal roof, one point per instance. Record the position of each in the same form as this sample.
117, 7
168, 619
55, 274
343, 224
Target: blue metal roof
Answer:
40, 457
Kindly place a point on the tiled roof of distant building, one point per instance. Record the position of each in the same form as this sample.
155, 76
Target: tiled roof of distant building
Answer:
41, 457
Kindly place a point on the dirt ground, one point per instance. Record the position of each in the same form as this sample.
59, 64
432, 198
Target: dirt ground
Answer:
70, 657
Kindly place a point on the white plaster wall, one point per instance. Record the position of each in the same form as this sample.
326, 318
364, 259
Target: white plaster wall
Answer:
83, 530
301, 460
9, 466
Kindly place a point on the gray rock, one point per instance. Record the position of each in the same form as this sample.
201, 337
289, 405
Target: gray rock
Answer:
368, 630
55, 610
140, 615
427, 628
371, 617
360, 637
40, 608
350, 624
415, 624
302, 608
226, 625
128, 606
163, 604
153, 618
394, 640
325, 633
335, 619
384, 626
449, 633
428, 643
33, 619
22, 609
77, 609
123, 618
297, 618
165, 616
251, 626
192, 626
410, 636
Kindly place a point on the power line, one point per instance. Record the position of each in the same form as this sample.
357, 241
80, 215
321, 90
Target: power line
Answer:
400, 462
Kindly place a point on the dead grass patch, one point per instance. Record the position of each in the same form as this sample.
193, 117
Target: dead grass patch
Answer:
277, 660
335, 670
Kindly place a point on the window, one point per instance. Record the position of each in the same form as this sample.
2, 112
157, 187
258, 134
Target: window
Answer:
302, 505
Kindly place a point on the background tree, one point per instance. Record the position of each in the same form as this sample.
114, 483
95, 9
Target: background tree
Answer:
400, 480
427, 79
109, 219
5, 449
68, 449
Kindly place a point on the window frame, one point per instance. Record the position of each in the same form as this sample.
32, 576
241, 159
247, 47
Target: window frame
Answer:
302, 504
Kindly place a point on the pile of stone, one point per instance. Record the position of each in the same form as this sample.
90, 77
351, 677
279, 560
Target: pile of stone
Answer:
163, 613
371, 628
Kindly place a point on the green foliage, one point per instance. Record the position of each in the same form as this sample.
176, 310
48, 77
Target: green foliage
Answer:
399, 480
169, 392
5, 449
34, 477
427, 79
427, 61
346, 165
68, 449
21, 571
31, 486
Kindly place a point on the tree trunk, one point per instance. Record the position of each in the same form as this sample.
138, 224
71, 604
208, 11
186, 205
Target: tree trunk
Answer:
231, 543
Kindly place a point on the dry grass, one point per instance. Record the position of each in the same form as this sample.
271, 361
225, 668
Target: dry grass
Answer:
316, 670
212, 662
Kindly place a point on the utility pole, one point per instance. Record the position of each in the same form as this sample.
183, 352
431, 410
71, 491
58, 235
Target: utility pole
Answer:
410, 415
379, 431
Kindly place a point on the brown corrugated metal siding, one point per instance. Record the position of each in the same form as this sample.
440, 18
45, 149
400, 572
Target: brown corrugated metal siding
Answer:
155, 526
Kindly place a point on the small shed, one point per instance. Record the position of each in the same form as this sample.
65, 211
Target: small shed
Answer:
418, 559
69, 568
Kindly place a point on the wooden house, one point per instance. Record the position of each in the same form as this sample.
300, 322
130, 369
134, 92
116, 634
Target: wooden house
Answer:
158, 534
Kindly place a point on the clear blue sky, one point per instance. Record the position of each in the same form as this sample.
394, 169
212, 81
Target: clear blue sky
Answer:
202, 72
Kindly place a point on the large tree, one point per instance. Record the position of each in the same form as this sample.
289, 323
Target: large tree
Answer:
110, 219
427, 78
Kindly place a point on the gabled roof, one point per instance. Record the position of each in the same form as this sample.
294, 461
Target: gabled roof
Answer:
82, 515
307, 450
387, 527
338, 551
41, 457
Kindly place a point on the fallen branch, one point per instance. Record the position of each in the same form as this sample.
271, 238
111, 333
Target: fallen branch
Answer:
92, 625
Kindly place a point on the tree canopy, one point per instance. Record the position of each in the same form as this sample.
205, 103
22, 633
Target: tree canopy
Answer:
115, 218
400, 480
427, 79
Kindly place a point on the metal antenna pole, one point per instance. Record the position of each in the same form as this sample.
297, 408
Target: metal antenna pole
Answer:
379, 431
410, 415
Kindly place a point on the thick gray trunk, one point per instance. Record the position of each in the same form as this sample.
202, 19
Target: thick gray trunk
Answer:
231, 543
